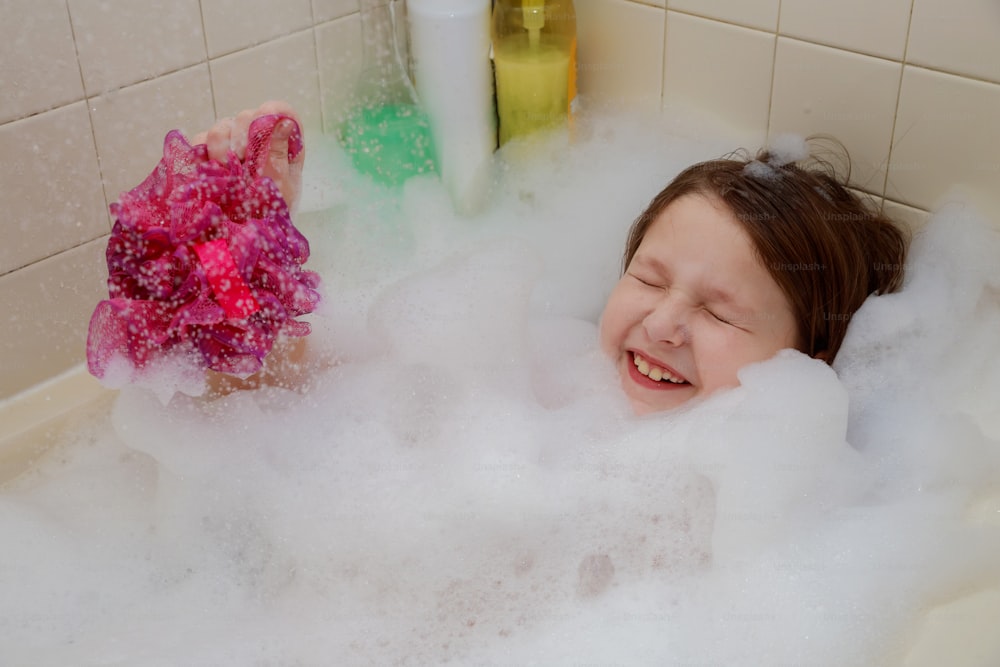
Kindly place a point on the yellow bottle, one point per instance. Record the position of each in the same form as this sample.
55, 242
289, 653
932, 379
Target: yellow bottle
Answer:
534, 53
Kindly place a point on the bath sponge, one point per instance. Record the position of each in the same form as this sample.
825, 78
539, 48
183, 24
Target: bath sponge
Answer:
204, 263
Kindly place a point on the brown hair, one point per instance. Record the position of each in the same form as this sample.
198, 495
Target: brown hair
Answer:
825, 248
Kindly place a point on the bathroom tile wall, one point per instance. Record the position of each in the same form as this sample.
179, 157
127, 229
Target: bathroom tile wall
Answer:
88, 89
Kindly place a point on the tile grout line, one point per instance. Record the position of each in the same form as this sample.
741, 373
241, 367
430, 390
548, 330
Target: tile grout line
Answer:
76, 246
774, 71
895, 114
663, 56
803, 40
166, 73
319, 76
93, 129
208, 60
705, 17
928, 68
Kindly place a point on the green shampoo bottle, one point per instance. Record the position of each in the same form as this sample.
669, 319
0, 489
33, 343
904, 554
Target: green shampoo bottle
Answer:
386, 133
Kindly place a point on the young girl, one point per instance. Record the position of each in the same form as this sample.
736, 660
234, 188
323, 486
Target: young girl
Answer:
733, 261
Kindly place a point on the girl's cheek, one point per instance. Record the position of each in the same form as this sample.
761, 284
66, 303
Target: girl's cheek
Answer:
613, 324
625, 309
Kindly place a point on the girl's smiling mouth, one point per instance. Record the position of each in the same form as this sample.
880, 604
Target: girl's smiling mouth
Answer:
649, 374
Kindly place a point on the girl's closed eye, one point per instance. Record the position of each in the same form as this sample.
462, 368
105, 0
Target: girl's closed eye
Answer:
736, 321
726, 318
720, 318
649, 272
646, 280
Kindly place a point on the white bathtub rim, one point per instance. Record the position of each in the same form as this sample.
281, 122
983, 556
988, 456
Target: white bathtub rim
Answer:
46, 401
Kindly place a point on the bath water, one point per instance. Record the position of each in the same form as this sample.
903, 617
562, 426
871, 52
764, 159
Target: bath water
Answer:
463, 483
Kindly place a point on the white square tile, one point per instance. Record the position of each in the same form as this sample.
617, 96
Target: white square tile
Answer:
47, 308
121, 42
39, 68
961, 37
878, 28
943, 138
282, 69
912, 218
620, 54
329, 10
51, 196
720, 70
819, 90
339, 47
231, 25
872, 201
652, 3
130, 123
762, 14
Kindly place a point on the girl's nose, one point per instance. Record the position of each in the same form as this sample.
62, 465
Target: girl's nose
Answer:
667, 321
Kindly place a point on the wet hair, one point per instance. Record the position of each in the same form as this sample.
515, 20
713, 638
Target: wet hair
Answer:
825, 247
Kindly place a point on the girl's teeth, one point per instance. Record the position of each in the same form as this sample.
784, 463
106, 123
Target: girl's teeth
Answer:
654, 373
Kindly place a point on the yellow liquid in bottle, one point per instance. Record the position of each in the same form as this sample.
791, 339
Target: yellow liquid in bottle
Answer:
532, 85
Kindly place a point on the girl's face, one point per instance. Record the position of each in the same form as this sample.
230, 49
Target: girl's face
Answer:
695, 305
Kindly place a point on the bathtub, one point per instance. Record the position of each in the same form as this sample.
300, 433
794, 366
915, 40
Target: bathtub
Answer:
955, 632
39, 425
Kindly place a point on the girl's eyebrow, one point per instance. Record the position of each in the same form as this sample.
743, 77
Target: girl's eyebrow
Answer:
720, 295
712, 293
652, 262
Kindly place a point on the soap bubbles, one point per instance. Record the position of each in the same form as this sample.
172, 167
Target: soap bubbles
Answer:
465, 483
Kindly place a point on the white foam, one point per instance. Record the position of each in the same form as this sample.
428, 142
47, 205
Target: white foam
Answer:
761, 170
467, 484
787, 148
164, 375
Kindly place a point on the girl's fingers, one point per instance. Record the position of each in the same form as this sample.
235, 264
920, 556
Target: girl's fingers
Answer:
287, 174
241, 127
230, 134
219, 138
280, 108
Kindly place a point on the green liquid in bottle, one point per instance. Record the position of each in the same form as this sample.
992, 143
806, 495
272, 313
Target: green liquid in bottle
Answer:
390, 143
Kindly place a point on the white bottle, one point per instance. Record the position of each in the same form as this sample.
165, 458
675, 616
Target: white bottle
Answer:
450, 48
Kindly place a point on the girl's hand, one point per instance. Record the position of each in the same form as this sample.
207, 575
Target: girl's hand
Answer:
230, 134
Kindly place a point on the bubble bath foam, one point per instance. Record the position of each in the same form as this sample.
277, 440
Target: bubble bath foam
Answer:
464, 483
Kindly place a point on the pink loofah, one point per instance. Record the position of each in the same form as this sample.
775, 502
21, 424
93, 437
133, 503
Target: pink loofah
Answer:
203, 260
